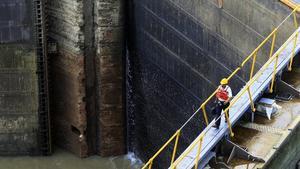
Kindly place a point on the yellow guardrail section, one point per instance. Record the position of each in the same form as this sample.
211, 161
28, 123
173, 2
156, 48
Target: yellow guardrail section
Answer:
272, 37
290, 3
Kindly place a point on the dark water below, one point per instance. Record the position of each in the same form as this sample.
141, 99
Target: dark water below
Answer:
65, 160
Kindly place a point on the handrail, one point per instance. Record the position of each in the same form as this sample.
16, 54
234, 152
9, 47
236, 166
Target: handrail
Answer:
292, 4
247, 87
161, 149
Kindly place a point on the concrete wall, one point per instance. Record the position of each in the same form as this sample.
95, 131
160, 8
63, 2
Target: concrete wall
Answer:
109, 34
88, 75
19, 100
251, 21
182, 48
288, 154
261, 16
20, 111
67, 69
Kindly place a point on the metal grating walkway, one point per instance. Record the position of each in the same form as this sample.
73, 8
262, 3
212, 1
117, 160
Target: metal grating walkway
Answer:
213, 136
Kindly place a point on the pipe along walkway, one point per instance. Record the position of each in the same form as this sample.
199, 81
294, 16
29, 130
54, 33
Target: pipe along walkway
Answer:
198, 153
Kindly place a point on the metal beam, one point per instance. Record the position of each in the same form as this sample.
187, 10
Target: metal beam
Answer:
283, 87
235, 150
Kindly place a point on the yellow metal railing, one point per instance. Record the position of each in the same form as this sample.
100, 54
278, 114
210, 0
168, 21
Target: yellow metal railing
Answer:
273, 57
290, 3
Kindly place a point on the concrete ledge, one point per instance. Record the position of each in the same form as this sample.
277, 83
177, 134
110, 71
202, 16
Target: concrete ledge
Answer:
292, 130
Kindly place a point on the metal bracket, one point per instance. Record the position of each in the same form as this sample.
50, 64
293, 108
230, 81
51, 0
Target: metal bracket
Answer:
207, 160
283, 87
235, 150
217, 164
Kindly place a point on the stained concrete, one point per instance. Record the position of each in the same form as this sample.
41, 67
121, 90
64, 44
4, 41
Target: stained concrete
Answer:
65, 19
87, 73
110, 65
277, 144
20, 83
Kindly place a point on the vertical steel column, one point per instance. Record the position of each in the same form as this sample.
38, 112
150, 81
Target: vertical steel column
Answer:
293, 52
253, 65
274, 74
251, 99
228, 122
205, 115
198, 153
273, 43
175, 146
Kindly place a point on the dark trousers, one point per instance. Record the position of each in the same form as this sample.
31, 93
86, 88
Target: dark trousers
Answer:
220, 106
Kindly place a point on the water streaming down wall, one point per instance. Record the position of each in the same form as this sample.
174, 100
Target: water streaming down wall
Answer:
179, 50
24, 118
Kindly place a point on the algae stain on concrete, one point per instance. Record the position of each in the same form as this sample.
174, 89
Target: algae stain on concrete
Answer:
18, 98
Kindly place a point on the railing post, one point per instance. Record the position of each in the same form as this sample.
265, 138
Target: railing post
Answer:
228, 121
251, 99
151, 163
205, 115
175, 146
294, 50
198, 152
295, 19
274, 74
253, 65
273, 43
144, 167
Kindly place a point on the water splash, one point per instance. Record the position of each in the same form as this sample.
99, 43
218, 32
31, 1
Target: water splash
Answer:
134, 160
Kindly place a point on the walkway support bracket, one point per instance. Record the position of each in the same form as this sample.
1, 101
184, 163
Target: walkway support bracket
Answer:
236, 151
283, 87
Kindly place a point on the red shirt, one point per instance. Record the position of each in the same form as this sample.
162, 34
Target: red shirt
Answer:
223, 94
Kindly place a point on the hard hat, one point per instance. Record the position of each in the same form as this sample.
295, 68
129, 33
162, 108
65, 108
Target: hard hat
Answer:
224, 81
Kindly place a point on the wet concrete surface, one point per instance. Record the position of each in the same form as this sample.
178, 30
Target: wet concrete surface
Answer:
65, 160
288, 112
293, 78
260, 142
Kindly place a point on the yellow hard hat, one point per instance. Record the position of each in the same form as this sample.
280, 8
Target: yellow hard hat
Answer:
224, 81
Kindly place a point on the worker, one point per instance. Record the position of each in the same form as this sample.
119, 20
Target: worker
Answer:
220, 3
223, 97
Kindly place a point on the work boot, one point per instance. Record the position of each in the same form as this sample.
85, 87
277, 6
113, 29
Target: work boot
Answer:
216, 126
